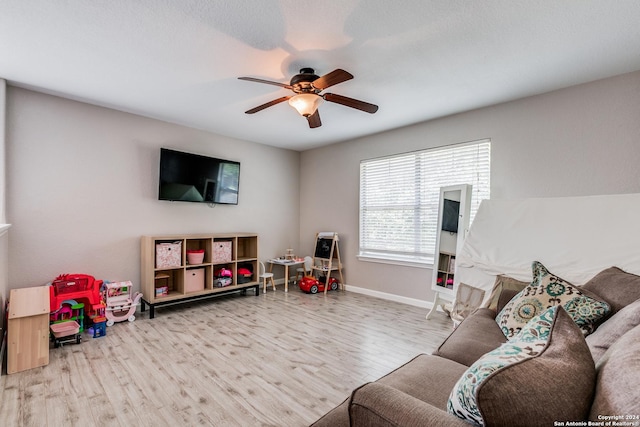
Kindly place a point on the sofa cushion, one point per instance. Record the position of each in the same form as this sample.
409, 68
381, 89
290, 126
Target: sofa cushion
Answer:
544, 374
618, 373
416, 378
503, 286
475, 336
615, 286
615, 327
547, 290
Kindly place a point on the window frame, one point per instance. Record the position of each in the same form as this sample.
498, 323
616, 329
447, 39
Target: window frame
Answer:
423, 257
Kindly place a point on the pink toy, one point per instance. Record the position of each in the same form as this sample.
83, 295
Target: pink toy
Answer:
65, 332
120, 303
224, 272
64, 313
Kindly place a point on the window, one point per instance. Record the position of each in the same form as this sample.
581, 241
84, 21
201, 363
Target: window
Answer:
399, 198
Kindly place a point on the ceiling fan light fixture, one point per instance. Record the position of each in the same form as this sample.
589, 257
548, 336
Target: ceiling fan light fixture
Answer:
307, 87
305, 103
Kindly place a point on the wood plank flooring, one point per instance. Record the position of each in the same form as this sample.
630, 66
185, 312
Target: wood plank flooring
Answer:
279, 359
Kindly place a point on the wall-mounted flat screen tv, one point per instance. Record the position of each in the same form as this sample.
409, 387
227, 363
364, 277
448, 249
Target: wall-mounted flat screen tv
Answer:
186, 177
450, 215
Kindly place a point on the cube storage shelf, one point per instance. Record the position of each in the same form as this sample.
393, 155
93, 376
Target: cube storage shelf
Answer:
446, 269
173, 280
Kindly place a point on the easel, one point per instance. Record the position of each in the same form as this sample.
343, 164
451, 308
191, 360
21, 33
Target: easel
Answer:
326, 257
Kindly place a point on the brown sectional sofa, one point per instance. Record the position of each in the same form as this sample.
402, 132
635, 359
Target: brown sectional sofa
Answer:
416, 394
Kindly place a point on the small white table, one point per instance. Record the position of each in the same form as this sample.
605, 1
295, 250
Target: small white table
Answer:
286, 263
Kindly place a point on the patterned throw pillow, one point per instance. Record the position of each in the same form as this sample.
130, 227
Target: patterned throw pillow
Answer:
546, 365
547, 290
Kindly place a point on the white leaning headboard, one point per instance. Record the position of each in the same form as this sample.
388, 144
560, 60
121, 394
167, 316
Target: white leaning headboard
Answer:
574, 237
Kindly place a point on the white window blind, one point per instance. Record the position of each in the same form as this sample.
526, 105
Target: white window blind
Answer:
399, 198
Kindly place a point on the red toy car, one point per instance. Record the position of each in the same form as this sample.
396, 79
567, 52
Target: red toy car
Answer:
312, 285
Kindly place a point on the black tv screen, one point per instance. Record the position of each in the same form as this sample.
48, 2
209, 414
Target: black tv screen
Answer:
186, 177
450, 215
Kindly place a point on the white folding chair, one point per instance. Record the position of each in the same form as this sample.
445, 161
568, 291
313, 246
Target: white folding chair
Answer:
264, 276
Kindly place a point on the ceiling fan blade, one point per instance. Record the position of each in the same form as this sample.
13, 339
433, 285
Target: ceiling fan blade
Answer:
267, 105
269, 82
314, 120
333, 78
350, 102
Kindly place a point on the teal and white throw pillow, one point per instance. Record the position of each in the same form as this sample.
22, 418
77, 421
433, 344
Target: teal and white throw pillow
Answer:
548, 290
529, 342
544, 373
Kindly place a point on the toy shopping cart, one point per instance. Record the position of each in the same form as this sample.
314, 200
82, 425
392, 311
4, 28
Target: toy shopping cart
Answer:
121, 302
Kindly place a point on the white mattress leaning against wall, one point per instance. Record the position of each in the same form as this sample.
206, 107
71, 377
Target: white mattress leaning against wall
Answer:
574, 237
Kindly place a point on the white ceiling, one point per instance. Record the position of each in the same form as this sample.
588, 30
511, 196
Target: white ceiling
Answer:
178, 60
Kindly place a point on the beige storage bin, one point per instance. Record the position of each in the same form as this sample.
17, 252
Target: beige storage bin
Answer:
194, 280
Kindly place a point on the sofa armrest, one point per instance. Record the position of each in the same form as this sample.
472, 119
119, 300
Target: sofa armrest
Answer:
380, 405
477, 335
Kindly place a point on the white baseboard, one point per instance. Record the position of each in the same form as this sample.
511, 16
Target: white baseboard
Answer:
383, 295
391, 297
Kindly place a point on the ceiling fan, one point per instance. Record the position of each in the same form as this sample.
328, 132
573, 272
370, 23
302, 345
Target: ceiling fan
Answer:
307, 87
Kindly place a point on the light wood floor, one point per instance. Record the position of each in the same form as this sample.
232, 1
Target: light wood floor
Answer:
273, 360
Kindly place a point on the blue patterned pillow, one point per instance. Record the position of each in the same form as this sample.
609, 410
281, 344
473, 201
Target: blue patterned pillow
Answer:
546, 365
547, 290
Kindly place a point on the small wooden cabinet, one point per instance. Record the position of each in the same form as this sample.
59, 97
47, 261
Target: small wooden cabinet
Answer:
169, 279
28, 329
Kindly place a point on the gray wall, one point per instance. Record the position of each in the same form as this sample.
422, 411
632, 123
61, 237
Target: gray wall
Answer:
583, 140
82, 189
81, 180
4, 242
